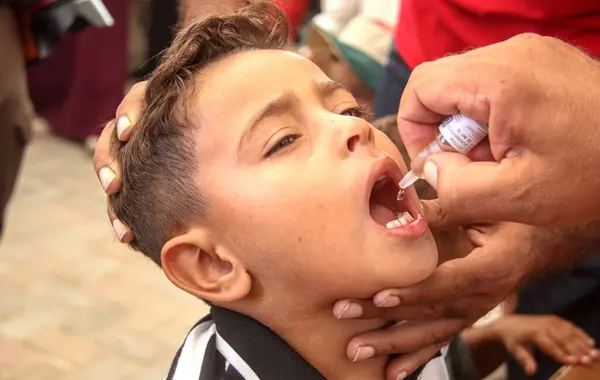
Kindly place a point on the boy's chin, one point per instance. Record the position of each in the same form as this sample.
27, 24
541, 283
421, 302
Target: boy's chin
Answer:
399, 277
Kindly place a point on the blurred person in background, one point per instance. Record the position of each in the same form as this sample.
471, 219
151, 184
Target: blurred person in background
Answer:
573, 296
79, 87
350, 41
163, 22
428, 30
16, 111
29, 32
526, 339
299, 12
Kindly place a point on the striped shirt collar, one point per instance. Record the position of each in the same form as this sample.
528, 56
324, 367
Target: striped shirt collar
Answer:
226, 345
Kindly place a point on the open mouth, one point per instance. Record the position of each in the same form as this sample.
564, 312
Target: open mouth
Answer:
385, 209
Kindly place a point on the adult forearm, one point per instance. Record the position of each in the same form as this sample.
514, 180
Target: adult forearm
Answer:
193, 8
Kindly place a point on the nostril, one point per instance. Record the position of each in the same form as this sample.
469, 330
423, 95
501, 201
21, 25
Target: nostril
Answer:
353, 142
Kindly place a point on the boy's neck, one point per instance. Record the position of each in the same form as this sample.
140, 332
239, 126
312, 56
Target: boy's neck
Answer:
321, 340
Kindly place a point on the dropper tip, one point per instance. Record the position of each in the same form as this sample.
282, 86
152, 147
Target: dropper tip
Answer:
408, 180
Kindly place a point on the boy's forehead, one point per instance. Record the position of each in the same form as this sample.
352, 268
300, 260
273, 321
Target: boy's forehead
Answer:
234, 89
230, 93
255, 76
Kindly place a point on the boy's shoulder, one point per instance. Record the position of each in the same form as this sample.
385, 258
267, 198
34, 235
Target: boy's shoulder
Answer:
226, 345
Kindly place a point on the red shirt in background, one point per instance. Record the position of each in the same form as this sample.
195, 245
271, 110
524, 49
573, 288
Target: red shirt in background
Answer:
430, 29
295, 11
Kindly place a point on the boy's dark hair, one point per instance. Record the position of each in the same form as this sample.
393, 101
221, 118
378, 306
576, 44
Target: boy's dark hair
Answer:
159, 162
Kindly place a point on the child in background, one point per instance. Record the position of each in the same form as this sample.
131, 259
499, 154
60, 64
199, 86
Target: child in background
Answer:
518, 335
350, 41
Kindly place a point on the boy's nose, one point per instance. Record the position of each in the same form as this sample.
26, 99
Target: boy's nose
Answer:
357, 134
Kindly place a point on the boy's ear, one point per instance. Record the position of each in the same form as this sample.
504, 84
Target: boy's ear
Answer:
193, 263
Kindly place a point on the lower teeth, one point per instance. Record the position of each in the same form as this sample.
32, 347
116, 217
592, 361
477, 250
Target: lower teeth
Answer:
402, 219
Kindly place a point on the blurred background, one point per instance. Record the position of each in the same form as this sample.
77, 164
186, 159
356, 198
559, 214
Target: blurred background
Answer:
75, 303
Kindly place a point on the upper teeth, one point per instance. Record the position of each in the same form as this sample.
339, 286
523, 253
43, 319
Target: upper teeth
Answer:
402, 219
380, 182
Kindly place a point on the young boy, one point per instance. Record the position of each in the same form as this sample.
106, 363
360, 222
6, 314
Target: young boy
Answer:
254, 183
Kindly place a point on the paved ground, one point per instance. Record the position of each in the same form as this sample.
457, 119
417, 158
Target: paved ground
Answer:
75, 304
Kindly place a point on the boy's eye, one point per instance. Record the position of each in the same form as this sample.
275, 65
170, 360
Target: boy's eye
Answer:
357, 111
282, 143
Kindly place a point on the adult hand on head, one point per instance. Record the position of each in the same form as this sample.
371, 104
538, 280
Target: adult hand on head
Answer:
106, 168
463, 290
540, 99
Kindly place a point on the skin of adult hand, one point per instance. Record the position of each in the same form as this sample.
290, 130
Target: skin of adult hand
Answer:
105, 166
539, 98
463, 290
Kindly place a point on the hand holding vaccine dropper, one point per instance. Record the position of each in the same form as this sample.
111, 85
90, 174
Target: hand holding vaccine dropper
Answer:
457, 134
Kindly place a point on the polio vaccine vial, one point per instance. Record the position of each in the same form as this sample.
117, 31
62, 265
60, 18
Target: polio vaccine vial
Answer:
457, 134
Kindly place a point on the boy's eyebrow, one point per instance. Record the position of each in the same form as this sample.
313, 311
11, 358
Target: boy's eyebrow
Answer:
327, 87
280, 105
283, 104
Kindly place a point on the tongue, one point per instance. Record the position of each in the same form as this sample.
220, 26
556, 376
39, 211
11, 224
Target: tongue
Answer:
381, 214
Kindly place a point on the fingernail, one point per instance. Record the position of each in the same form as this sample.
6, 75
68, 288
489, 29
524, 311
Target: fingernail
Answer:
363, 353
349, 310
402, 375
592, 342
389, 301
586, 359
122, 124
431, 173
594, 353
106, 177
120, 229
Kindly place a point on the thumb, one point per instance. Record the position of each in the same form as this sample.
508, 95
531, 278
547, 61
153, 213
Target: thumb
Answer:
471, 192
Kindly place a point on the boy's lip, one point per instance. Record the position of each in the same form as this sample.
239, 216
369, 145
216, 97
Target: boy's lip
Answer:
386, 166
383, 166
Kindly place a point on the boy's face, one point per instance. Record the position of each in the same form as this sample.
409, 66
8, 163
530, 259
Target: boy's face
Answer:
289, 174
